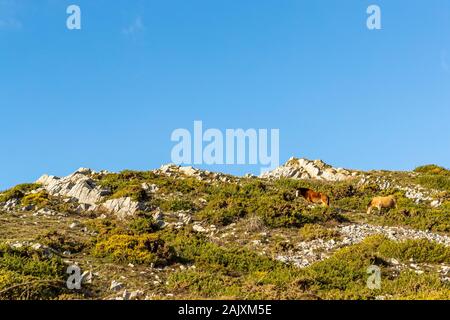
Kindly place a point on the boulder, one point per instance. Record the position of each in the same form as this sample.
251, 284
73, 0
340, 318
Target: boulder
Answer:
149, 188
116, 286
189, 171
123, 207
199, 228
436, 203
158, 217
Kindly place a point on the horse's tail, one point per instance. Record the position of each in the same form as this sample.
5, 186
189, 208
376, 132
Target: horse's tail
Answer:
326, 200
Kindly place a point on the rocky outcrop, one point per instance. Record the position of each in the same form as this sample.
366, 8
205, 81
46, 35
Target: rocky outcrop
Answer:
308, 169
123, 207
81, 187
78, 185
172, 170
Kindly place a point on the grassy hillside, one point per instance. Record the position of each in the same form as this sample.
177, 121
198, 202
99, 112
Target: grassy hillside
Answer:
230, 238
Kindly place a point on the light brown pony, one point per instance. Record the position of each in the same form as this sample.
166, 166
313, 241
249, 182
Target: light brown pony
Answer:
313, 196
382, 203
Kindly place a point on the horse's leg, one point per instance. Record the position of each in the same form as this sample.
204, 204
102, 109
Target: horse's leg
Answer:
380, 209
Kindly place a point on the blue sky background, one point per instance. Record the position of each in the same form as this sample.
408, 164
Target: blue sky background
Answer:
109, 96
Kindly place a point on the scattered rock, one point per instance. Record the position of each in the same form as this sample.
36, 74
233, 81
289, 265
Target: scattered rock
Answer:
46, 212
30, 207
116, 286
158, 218
199, 228
86, 277
133, 295
73, 225
83, 207
172, 170
11, 204
150, 188
436, 203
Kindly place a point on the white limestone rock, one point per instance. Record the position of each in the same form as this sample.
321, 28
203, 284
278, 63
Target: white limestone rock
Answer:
307, 169
122, 207
78, 185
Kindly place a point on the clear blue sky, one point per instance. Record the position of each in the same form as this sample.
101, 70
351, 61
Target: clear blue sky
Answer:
109, 96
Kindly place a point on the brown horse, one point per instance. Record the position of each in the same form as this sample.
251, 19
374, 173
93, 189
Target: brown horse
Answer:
313, 196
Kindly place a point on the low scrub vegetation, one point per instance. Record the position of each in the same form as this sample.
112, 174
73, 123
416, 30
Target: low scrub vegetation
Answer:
434, 177
237, 273
315, 231
27, 274
18, 192
140, 249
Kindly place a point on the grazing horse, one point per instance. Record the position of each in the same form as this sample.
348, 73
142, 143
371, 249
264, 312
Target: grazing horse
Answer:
382, 203
313, 196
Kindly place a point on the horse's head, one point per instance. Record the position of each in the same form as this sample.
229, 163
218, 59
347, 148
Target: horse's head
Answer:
302, 192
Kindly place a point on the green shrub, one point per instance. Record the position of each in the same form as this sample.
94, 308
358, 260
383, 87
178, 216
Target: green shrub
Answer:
195, 248
140, 249
177, 204
61, 241
314, 231
106, 227
27, 274
437, 182
205, 284
432, 169
226, 272
39, 199
129, 183
18, 192
142, 225
126, 184
422, 251
434, 177
135, 192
